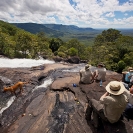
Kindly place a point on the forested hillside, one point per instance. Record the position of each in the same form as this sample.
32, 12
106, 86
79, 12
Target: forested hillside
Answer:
64, 32
36, 28
111, 47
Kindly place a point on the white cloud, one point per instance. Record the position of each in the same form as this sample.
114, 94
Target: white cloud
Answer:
129, 20
111, 14
88, 12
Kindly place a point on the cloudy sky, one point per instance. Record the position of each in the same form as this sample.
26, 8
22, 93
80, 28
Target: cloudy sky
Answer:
83, 13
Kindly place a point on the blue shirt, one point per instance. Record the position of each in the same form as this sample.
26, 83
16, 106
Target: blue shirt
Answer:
127, 79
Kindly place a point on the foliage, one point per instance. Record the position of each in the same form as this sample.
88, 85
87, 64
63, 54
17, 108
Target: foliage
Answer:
72, 51
55, 44
67, 32
15, 42
42, 41
121, 65
62, 54
24, 41
111, 47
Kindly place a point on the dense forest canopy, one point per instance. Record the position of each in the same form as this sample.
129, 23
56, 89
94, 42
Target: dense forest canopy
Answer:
110, 47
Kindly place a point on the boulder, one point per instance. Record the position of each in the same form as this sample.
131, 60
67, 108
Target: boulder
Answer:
58, 59
57, 106
73, 60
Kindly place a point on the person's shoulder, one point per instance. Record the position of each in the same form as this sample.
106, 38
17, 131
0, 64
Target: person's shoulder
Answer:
82, 70
127, 73
112, 98
88, 72
104, 69
109, 98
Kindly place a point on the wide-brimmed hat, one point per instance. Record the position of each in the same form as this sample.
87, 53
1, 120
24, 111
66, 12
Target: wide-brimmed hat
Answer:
87, 67
115, 88
101, 64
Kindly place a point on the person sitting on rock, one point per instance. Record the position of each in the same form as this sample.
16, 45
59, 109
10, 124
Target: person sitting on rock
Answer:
128, 78
128, 75
86, 75
99, 73
110, 106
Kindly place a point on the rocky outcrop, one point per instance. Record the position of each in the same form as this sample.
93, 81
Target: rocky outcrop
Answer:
58, 59
72, 60
51, 104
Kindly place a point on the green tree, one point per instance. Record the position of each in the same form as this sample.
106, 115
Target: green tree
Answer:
6, 45
55, 44
43, 45
24, 43
77, 45
62, 51
72, 51
113, 49
121, 66
128, 58
110, 35
87, 54
2, 42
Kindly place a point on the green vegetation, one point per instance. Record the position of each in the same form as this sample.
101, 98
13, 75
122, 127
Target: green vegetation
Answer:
110, 46
64, 32
113, 49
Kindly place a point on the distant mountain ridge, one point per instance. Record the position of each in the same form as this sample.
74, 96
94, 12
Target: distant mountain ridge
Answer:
64, 32
52, 28
36, 28
68, 28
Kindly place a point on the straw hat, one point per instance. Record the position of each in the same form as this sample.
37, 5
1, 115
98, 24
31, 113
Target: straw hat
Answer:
87, 67
130, 69
115, 88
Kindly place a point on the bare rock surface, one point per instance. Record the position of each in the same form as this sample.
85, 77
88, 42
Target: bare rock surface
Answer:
58, 107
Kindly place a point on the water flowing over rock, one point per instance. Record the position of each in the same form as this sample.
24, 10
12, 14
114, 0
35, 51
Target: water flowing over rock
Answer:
50, 103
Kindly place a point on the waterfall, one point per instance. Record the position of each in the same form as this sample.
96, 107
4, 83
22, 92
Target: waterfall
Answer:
10, 101
15, 63
45, 84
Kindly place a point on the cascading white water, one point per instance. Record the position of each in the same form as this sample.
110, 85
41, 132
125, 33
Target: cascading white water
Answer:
14, 63
45, 84
10, 101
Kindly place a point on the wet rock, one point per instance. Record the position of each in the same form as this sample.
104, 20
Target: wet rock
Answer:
62, 83
5, 81
58, 59
58, 107
73, 60
1, 84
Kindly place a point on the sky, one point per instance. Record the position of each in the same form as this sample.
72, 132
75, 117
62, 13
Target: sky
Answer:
82, 13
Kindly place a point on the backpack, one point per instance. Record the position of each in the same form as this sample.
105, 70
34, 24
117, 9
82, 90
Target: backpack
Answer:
128, 113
